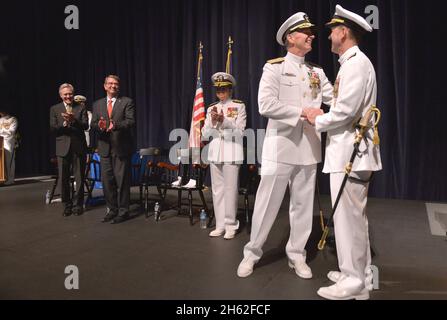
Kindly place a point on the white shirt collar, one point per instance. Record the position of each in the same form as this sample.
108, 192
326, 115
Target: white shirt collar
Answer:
345, 56
295, 58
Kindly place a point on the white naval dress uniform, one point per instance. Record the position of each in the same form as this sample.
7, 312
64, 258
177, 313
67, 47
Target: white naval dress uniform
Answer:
291, 151
225, 151
355, 91
8, 128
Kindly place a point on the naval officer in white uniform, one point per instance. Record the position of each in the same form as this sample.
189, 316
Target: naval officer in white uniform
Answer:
8, 129
355, 91
289, 87
83, 101
225, 122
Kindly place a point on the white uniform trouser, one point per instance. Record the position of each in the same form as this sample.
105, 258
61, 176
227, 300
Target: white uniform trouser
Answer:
10, 165
301, 181
351, 226
224, 183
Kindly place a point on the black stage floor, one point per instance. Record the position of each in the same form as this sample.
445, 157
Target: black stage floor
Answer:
142, 259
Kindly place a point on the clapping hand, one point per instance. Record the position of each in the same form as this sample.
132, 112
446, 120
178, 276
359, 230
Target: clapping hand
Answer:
216, 117
111, 126
69, 117
220, 117
102, 124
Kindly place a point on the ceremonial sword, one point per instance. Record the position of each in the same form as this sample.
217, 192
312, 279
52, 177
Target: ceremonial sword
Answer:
363, 127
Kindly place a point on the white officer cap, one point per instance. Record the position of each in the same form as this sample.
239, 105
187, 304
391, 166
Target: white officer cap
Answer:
79, 98
223, 79
298, 21
349, 19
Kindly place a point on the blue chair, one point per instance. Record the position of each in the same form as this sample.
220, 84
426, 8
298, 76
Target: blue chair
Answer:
93, 179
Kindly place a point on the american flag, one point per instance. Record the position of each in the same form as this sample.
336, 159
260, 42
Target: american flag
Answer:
198, 114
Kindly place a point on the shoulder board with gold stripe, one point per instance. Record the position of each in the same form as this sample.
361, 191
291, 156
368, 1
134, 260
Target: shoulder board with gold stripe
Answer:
352, 56
238, 101
313, 65
214, 103
275, 61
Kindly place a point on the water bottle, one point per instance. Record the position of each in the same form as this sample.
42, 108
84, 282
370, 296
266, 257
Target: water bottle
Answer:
203, 219
156, 211
47, 197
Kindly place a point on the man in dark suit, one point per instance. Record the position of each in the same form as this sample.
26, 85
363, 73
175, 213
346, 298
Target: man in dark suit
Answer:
68, 120
114, 120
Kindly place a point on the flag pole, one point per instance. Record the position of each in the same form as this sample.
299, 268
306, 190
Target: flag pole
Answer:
198, 113
199, 64
230, 52
199, 131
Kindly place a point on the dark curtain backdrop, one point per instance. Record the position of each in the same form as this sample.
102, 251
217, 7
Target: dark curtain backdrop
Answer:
152, 46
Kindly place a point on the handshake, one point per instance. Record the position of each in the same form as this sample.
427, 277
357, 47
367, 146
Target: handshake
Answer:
310, 114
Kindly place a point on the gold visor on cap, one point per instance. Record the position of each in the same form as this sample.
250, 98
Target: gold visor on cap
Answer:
336, 20
222, 83
303, 25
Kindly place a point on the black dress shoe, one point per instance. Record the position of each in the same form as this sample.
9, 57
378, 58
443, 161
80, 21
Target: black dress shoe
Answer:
109, 216
77, 211
67, 212
120, 218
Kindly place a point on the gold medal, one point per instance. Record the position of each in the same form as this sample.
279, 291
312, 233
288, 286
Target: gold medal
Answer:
314, 83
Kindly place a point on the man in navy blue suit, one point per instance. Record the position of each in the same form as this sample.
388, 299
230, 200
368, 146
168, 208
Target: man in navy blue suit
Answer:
114, 120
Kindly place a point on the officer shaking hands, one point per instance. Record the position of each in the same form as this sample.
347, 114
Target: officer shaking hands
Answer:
289, 89
355, 91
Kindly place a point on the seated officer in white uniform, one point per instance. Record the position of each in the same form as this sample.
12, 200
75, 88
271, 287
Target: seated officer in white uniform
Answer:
288, 89
8, 129
225, 122
355, 91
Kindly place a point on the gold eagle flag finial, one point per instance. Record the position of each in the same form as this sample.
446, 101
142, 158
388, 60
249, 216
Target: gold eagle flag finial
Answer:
230, 52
